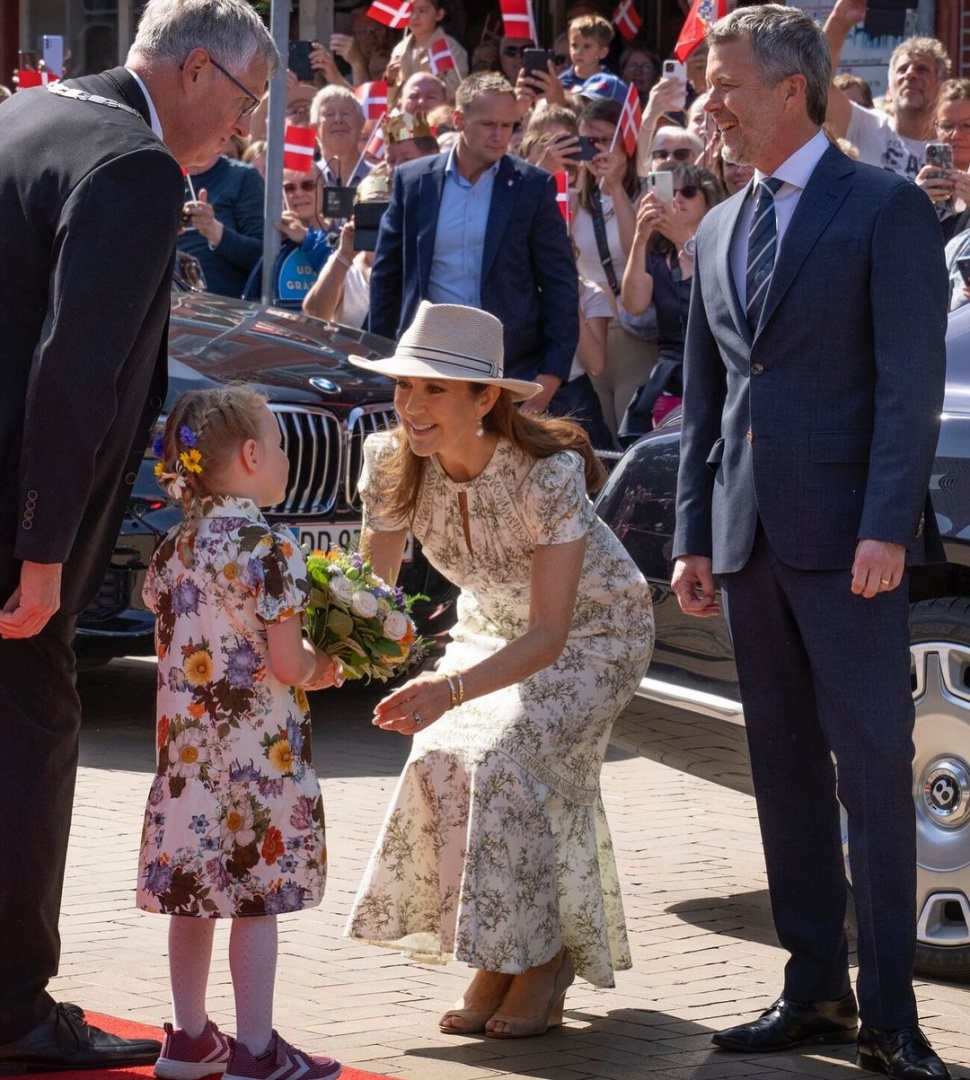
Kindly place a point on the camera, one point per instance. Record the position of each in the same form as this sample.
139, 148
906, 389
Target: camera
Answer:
367, 222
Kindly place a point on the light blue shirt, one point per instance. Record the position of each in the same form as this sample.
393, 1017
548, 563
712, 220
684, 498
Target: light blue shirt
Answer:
459, 240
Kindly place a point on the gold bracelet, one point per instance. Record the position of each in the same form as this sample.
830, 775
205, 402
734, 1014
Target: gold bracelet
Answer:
461, 687
453, 690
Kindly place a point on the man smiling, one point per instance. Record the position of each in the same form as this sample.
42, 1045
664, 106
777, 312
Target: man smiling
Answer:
798, 492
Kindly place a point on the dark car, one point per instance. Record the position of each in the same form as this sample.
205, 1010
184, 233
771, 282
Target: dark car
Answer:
693, 665
325, 407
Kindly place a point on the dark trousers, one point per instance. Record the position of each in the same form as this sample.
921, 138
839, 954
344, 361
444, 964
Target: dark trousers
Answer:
40, 718
823, 672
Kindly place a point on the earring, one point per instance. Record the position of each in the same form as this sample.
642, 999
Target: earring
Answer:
480, 430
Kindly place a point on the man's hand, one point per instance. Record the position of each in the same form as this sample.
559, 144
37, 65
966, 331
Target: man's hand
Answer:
878, 567
33, 602
693, 585
550, 384
847, 13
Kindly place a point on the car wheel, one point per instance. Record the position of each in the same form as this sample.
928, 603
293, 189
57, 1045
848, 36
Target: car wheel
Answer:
940, 650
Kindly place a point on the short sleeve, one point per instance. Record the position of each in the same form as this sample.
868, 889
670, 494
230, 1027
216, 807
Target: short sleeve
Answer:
278, 572
557, 506
376, 487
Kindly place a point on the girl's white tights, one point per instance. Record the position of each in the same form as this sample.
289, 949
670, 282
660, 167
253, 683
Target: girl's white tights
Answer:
252, 964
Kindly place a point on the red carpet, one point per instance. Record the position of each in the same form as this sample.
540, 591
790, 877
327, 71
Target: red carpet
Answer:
131, 1030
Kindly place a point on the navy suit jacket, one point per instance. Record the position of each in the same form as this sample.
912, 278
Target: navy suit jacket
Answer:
824, 423
528, 280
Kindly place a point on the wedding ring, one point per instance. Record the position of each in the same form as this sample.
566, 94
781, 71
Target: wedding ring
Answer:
885, 581
416, 717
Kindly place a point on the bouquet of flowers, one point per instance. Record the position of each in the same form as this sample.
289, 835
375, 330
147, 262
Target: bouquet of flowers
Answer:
359, 619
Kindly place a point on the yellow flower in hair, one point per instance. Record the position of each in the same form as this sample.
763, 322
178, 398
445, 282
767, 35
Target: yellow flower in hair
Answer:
191, 461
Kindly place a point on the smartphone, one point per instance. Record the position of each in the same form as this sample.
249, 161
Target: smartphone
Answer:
367, 222
299, 60
676, 69
588, 148
939, 155
661, 184
52, 49
536, 60
963, 265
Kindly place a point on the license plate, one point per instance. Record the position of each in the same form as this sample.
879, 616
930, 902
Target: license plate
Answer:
346, 534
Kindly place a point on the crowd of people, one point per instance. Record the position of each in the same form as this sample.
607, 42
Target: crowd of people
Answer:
553, 288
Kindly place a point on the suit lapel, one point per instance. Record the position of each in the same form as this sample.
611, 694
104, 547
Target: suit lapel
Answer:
822, 197
429, 200
725, 233
505, 191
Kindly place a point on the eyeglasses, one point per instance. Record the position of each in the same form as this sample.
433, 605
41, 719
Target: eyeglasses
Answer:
683, 154
559, 59
689, 191
253, 100
512, 51
945, 127
638, 69
303, 185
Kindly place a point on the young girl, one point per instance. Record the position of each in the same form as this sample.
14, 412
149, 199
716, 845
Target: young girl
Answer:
234, 825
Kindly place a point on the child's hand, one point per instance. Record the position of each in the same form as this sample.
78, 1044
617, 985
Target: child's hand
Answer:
327, 671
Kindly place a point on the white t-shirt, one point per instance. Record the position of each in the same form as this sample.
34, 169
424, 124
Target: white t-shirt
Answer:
874, 135
593, 304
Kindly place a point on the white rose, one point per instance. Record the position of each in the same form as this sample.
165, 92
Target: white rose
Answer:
364, 604
342, 589
395, 625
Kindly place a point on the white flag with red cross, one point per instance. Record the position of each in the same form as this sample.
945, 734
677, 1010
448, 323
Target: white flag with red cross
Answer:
392, 13
375, 144
440, 58
373, 99
517, 20
299, 142
627, 19
629, 126
562, 197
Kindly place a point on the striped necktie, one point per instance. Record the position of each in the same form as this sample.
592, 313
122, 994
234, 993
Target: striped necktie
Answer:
761, 250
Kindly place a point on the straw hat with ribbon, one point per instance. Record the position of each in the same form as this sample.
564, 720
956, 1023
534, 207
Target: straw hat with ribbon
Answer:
449, 341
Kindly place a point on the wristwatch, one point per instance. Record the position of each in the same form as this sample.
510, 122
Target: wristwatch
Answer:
690, 245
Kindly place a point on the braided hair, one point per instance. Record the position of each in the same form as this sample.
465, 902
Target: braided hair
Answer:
203, 431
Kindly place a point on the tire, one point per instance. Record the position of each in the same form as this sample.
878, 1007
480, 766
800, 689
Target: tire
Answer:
940, 650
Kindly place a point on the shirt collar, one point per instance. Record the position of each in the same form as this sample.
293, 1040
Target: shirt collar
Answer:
451, 167
153, 115
797, 169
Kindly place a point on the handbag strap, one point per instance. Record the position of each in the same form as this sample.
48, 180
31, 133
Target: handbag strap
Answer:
602, 244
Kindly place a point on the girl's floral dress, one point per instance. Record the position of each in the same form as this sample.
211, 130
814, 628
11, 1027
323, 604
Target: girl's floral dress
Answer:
234, 823
496, 849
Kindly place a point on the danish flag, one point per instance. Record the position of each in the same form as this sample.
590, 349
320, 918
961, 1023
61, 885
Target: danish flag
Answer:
627, 19
629, 125
375, 144
390, 13
440, 58
562, 197
27, 78
517, 19
702, 14
373, 99
298, 145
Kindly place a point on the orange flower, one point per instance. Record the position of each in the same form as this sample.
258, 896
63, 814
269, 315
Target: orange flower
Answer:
230, 571
162, 731
196, 709
273, 846
286, 548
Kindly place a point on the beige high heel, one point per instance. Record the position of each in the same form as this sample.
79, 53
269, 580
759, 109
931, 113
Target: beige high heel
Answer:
473, 1021
519, 1027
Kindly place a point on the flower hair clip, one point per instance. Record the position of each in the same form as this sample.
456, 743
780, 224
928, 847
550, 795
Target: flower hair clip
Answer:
188, 461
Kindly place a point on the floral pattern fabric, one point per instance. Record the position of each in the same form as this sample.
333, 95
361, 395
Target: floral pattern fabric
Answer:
234, 823
496, 848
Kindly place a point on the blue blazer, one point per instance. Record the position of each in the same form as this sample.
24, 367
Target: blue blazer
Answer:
529, 276
824, 422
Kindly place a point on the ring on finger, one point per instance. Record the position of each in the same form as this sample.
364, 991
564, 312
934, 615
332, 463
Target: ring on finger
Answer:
885, 581
416, 717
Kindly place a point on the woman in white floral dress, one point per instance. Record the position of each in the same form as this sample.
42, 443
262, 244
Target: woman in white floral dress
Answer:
496, 849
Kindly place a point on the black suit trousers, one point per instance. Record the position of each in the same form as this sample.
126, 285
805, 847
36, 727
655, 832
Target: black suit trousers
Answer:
41, 722
826, 673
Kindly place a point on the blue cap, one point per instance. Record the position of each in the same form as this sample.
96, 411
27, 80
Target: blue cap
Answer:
603, 85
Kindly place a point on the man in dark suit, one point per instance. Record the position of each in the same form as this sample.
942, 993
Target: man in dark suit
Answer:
814, 383
90, 199
480, 227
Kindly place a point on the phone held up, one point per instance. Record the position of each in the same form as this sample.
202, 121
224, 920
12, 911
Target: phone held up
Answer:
661, 184
588, 148
536, 60
299, 60
677, 69
939, 155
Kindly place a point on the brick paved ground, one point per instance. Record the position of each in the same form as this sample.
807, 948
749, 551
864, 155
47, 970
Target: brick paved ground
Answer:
690, 861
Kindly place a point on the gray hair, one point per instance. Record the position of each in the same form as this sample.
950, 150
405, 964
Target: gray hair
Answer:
333, 93
784, 41
672, 131
482, 82
229, 29
922, 46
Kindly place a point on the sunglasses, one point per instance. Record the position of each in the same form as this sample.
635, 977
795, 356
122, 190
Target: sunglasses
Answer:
689, 191
559, 59
512, 51
677, 155
304, 185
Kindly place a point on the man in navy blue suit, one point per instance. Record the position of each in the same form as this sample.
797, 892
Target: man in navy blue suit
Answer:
479, 227
814, 382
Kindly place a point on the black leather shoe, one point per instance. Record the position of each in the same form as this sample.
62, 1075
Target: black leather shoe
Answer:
903, 1054
794, 1023
64, 1041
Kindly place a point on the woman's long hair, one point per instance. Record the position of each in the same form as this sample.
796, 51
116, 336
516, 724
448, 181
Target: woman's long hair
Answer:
536, 436
607, 110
